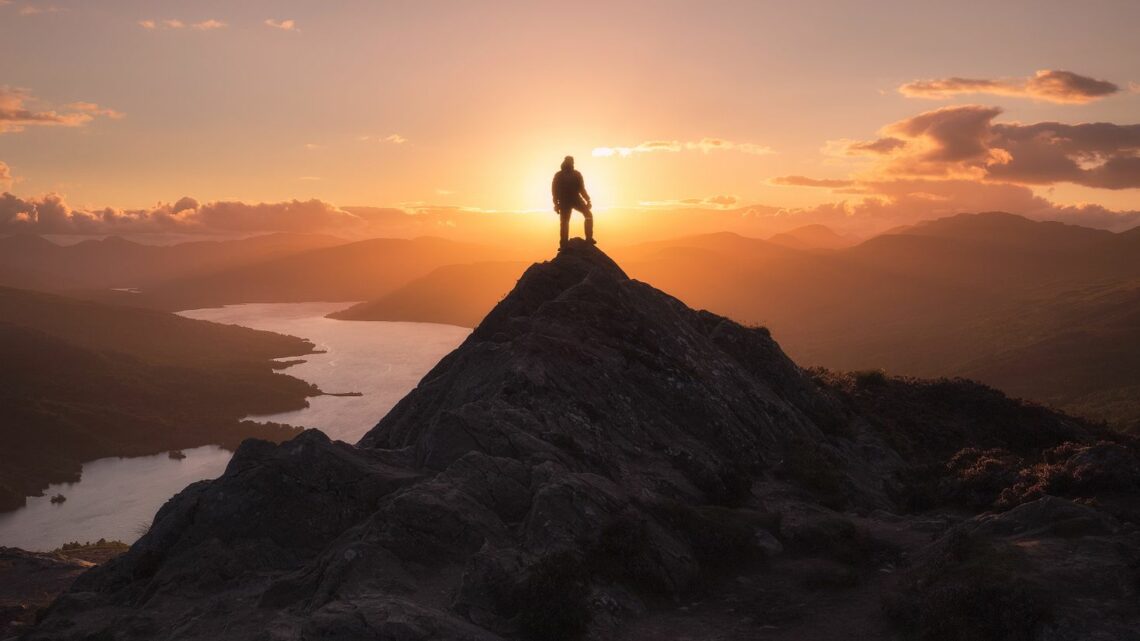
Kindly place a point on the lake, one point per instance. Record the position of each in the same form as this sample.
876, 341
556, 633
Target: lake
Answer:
116, 498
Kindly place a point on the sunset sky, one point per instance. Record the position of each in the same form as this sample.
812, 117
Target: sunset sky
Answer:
922, 108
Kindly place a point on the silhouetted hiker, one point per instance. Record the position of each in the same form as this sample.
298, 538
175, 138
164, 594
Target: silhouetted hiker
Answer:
569, 192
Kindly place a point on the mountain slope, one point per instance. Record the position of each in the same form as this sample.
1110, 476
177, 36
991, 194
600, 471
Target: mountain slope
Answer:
594, 453
812, 237
81, 381
453, 295
361, 270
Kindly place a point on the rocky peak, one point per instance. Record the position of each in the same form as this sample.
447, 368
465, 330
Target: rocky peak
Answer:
580, 364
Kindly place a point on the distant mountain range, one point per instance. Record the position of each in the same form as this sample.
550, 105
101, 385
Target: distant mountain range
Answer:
1046, 311
34, 262
273, 268
1043, 310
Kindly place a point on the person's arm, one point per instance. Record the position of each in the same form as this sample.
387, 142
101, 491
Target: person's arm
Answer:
554, 191
582, 188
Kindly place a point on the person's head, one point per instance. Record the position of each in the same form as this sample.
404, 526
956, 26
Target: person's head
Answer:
568, 162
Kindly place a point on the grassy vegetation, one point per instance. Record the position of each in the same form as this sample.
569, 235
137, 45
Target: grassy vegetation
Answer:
970, 591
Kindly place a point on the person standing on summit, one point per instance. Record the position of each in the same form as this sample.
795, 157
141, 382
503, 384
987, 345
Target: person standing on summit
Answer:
569, 192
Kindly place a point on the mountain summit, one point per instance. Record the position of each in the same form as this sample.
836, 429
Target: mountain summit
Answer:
595, 452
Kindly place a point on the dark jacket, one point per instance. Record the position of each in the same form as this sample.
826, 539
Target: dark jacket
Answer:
568, 187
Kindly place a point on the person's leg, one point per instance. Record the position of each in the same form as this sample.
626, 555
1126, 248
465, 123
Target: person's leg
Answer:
589, 216
564, 230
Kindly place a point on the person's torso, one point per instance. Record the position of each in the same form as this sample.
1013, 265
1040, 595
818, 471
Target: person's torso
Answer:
568, 184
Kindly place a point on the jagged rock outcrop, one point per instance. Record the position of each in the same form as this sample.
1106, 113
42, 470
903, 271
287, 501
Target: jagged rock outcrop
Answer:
593, 448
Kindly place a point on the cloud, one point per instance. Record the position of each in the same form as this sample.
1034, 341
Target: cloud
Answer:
6, 177
96, 110
705, 145
719, 201
1064, 87
965, 143
804, 181
50, 214
960, 160
880, 146
283, 25
175, 23
15, 114
33, 10
395, 139
722, 200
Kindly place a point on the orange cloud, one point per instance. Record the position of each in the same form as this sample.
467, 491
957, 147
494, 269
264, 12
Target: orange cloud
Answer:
719, 201
395, 139
804, 181
965, 142
1064, 87
96, 110
704, 145
33, 10
208, 25
283, 25
6, 177
50, 214
175, 23
16, 116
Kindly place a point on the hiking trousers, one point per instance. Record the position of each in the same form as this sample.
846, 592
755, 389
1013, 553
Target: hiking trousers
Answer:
564, 212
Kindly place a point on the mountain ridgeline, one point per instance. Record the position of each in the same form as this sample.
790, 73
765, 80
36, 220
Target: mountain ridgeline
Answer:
597, 453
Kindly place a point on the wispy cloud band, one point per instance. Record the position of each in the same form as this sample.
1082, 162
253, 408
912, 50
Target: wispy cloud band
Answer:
705, 145
1064, 87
